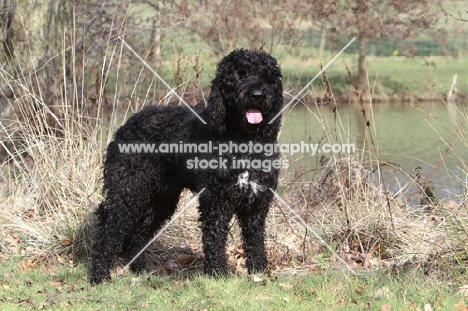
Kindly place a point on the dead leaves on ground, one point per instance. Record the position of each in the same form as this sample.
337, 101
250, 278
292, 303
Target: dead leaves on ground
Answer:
51, 293
27, 265
364, 298
427, 307
46, 261
460, 306
169, 260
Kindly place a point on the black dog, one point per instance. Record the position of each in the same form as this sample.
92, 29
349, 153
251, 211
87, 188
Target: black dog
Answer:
143, 188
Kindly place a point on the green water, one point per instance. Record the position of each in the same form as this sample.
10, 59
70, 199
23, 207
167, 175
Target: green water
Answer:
409, 135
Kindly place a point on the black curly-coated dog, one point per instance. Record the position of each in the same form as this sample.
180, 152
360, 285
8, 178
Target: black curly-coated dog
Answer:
143, 188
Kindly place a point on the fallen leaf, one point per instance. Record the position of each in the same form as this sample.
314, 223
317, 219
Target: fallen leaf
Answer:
463, 290
135, 281
427, 307
170, 266
359, 290
29, 213
181, 283
60, 259
315, 267
55, 283
65, 242
262, 296
7, 277
383, 292
28, 264
285, 286
42, 305
460, 306
386, 307
256, 278
26, 301
185, 260
75, 288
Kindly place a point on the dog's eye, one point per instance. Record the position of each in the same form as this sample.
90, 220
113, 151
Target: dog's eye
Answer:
241, 73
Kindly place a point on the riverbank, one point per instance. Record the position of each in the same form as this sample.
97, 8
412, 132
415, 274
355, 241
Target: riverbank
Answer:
389, 78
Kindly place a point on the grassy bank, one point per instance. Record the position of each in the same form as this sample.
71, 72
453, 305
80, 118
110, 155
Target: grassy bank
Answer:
65, 288
390, 78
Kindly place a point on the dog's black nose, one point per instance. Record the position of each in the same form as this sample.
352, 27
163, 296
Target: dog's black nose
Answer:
257, 94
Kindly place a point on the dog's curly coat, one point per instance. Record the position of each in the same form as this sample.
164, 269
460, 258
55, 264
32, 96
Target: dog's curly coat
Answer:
143, 188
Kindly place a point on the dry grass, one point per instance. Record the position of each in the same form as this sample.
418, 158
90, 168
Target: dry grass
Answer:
51, 179
51, 183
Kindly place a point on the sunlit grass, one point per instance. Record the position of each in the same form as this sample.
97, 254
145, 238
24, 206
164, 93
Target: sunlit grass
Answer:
418, 77
67, 288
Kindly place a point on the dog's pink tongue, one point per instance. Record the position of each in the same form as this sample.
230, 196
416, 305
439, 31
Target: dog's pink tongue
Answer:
254, 116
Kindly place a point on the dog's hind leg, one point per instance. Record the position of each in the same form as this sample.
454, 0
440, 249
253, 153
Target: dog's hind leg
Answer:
162, 208
118, 218
110, 232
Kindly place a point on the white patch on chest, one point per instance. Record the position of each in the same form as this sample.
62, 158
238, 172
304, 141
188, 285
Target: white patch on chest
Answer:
244, 183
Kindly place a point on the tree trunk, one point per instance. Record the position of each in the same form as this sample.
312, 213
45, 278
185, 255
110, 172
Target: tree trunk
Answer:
39, 36
323, 40
362, 74
7, 13
155, 54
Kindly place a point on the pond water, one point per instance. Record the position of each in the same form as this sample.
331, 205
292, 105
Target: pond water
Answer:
432, 136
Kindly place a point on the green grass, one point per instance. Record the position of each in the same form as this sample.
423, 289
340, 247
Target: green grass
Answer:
423, 77
67, 288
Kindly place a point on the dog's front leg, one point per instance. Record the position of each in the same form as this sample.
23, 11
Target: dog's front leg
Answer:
215, 216
252, 223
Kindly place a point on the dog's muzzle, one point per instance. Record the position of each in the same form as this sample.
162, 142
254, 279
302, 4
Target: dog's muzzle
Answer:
253, 114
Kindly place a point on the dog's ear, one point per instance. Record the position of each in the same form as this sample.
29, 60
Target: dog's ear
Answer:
216, 110
271, 131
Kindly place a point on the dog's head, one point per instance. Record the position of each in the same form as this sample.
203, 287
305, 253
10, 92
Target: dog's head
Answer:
246, 94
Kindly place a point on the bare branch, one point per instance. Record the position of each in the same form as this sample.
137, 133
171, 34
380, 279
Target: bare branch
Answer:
459, 18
